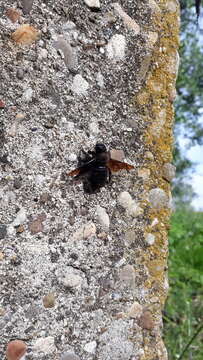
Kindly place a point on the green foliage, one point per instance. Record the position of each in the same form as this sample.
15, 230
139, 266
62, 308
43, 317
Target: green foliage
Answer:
184, 308
188, 106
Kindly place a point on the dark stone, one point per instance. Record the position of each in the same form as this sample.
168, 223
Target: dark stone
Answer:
3, 231
20, 73
17, 183
27, 6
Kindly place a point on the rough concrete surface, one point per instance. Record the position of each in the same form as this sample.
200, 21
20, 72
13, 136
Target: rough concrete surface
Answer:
83, 277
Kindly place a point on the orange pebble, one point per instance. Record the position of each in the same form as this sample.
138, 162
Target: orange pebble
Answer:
15, 350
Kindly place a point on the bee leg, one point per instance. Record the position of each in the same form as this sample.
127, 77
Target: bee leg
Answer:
109, 175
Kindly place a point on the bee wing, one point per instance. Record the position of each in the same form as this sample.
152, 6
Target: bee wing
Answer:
115, 165
74, 172
82, 170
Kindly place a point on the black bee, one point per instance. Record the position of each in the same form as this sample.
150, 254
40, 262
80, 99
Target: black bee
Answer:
95, 167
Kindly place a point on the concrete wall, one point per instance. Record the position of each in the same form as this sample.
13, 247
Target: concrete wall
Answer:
84, 277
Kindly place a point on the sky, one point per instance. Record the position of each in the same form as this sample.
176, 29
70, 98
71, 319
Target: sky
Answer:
195, 154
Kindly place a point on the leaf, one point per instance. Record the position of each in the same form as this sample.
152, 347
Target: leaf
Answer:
25, 34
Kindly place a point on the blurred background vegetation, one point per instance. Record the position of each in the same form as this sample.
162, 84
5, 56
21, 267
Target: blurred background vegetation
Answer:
183, 314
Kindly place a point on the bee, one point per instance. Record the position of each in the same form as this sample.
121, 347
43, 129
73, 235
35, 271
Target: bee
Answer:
95, 168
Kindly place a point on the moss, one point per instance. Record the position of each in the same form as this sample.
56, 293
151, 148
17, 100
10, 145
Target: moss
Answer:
158, 109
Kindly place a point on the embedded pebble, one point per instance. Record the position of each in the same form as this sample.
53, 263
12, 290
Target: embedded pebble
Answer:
49, 300
128, 21
27, 95
172, 6
80, 85
93, 128
13, 129
20, 73
12, 14
169, 171
150, 239
43, 53
3, 231
39, 179
154, 6
27, 6
144, 173
117, 154
45, 345
158, 199
127, 275
103, 217
68, 26
90, 347
20, 229
152, 38
69, 356
135, 311
72, 278
35, 226
15, 350
100, 80
20, 217
72, 157
85, 232
69, 53
126, 201
116, 47
95, 4
146, 320
114, 343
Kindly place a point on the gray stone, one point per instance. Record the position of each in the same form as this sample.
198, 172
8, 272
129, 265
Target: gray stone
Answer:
20, 217
90, 347
68, 26
69, 53
80, 85
27, 95
158, 199
69, 356
20, 73
135, 310
127, 275
45, 345
103, 217
3, 231
126, 201
169, 171
43, 53
84, 232
100, 80
150, 239
93, 128
71, 278
27, 6
115, 343
128, 21
17, 183
95, 4
115, 49
72, 157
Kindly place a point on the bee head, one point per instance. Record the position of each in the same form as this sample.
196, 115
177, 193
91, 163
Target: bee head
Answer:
100, 148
